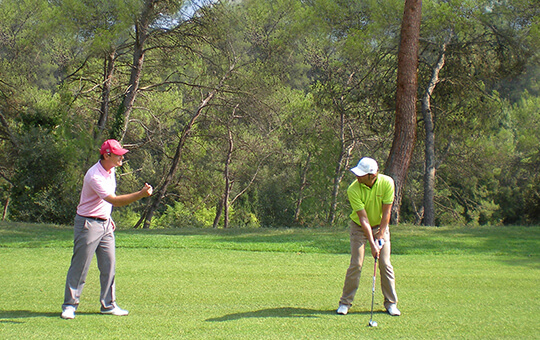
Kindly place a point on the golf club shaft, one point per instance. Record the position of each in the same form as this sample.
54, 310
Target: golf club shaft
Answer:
373, 289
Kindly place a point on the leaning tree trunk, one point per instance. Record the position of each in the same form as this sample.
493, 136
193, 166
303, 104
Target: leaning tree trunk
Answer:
402, 149
141, 35
148, 213
430, 167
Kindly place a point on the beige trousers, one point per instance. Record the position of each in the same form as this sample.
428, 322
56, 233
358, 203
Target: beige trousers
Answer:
352, 279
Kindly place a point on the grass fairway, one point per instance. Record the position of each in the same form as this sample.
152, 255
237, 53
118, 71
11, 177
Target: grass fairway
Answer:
453, 283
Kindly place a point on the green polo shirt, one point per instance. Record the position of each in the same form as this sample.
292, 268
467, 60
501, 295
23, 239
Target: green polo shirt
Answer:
371, 199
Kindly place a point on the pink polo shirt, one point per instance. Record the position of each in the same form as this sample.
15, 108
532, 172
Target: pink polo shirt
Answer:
98, 184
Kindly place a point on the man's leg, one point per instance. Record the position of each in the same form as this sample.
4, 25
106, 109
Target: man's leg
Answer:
86, 237
106, 259
388, 282
352, 278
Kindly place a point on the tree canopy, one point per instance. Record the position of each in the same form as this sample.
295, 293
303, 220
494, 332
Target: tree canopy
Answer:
250, 113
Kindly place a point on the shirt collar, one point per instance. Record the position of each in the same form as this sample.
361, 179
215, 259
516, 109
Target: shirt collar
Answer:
103, 171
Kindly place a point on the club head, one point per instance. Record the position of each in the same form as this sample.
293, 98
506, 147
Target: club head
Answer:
372, 323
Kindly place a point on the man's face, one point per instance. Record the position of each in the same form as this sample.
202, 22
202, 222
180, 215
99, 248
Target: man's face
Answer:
115, 160
368, 179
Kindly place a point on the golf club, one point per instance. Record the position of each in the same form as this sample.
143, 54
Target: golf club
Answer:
380, 243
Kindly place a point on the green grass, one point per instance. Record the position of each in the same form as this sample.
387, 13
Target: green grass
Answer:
453, 283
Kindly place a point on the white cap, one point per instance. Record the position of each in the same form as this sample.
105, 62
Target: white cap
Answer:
365, 166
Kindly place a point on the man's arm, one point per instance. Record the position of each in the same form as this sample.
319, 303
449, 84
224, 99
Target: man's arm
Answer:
385, 221
122, 200
366, 228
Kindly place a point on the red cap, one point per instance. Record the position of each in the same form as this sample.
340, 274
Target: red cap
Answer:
112, 146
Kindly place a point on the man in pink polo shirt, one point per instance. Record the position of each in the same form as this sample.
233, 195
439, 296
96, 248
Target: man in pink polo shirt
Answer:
94, 231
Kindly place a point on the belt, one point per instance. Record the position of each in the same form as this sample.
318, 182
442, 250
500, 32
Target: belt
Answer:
95, 218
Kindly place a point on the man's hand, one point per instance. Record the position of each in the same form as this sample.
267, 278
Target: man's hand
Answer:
122, 200
375, 250
147, 190
376, 247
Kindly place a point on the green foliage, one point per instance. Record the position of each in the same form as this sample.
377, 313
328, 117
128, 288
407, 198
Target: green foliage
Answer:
118, 123
526, 156
532, 201
276, 207
100, 23
473, 129
179, 216
46, 183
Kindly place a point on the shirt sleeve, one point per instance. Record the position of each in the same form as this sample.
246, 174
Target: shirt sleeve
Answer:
355, 200
388, 195
100, 187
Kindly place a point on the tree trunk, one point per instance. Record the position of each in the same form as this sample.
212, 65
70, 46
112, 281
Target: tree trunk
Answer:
5, 210
228, 182
303, 185
343, 163
344, 157
108, 70
219, 210
402, 149
141, 34
223, 206
430, 167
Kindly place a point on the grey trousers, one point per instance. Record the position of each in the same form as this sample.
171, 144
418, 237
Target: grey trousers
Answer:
352, 278
91, 237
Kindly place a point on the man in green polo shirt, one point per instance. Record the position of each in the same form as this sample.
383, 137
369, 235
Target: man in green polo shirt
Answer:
371, 196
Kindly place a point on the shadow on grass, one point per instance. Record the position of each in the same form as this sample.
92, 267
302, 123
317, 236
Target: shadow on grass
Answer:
284, 312
10, 316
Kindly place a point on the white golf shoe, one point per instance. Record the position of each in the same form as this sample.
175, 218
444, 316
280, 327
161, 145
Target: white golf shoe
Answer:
343, 309
393, 310
68, 313
115, 311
